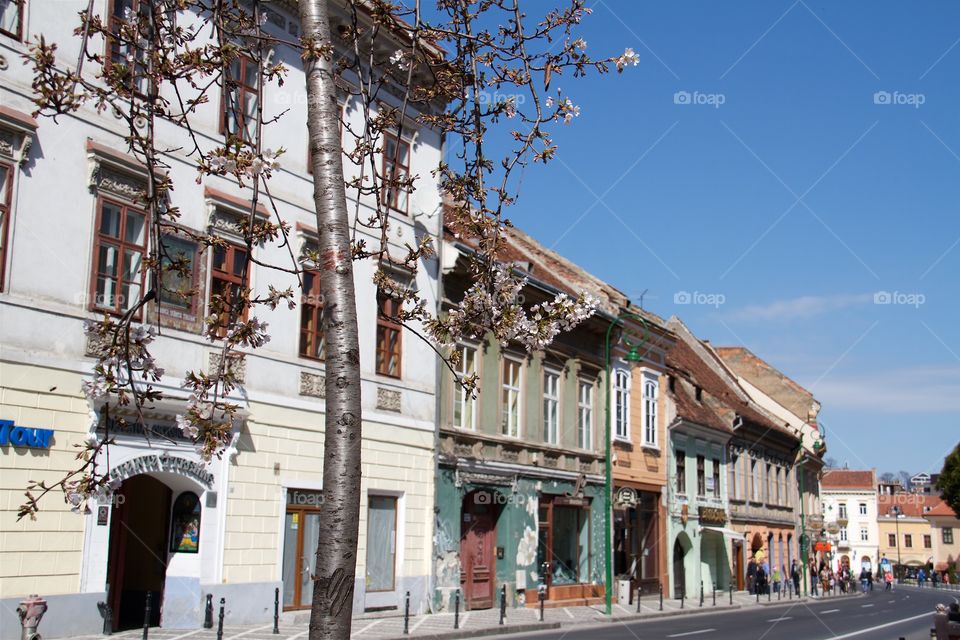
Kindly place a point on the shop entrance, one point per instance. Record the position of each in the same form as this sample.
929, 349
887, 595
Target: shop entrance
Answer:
301, 532
738, 563
478, 535
137, 562
679, 572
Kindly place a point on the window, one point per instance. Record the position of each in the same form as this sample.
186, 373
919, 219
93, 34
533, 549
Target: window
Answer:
510, 398
891, 539
681, 471
842, 511
864, 534
927, 541
11, 18
650, 394
551, 406
124, 51
227, 283
754, 481
843, 534
733, 475
947, 535
863, 508
907, 540
6, 189
564, 539
716, 477
388, 336
119, 249
621, 398
701, 477
585, 416
240, 99
178, 274
185, 524
381, 543
768, 484
396, 170
464, 406
311, 317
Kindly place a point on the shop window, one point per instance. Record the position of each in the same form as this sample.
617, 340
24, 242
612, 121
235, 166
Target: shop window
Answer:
381, 543
311, 317
119, 249
388, 336
621, 397
6, 189
185, 524
565, 539
551, 406
510, 398
927, 541
464, 405
11, 18
178, 275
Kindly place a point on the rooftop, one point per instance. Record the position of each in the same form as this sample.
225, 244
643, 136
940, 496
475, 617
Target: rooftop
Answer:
849, 479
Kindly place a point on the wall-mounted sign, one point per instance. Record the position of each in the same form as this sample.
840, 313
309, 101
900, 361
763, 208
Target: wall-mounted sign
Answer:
170, 464
626, 497
711, 515
709, 484
24, 436
822, 546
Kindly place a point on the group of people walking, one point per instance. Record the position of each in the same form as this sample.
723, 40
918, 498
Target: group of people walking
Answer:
762, 580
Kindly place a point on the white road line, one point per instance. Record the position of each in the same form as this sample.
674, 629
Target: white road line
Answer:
366, 628
830, 611
240, 635
864, 606
419, 622
299, 635
781, 619
567, 611
880, 626
186, 635
690, 633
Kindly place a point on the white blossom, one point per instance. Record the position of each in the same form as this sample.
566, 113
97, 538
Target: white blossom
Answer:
629, 58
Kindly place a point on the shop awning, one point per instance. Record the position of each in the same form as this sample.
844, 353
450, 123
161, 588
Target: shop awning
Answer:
726, 533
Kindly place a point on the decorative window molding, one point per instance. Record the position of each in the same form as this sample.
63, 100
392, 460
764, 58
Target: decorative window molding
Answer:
17, 131
621, 404
313, 385
115, 173
236, 364
388, 399
226, 213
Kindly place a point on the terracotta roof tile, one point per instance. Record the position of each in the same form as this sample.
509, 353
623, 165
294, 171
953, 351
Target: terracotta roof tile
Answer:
914, 505
849, 479
942, 509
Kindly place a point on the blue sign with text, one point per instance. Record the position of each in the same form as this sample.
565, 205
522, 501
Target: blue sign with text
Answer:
24, 436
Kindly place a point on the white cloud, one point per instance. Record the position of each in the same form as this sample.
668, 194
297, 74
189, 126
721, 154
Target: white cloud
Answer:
908, 390
802, 307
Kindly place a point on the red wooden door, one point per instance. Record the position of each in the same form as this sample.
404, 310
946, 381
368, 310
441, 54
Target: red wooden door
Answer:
478, 568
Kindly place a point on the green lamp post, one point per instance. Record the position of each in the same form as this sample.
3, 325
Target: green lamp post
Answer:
633, 355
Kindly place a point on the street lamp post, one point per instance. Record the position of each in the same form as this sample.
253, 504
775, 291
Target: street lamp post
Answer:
896, 521
633, 355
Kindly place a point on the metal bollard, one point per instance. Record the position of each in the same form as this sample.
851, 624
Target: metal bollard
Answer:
661, 596
701, 593
730, 587
757, 589
146, 617
778, 594
683, 595
503, 603
208, 613
639, 591
406, 615
769, 593
456, 610
107, 615
542, 595
714, 595
223, 601
276, 610
30, 611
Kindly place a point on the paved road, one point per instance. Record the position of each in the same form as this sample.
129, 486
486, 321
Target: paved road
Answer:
879, 615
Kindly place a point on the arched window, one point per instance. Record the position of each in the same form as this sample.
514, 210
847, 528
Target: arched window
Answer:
185, 524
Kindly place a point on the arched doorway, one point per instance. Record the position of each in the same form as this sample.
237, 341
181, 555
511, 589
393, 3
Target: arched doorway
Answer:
478, 535
137, 563
680, 549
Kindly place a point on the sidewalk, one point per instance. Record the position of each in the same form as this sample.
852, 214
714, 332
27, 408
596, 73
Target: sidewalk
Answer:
472, 624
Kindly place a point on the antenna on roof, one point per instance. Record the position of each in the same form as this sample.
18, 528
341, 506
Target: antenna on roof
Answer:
641, 297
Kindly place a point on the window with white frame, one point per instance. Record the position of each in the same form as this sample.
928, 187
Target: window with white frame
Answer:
755, 480
864, 534
464, 406
585, 415
651, 392
510, 398
842, 514
843, 534
863, 508
733, 475
551, 406
621, 398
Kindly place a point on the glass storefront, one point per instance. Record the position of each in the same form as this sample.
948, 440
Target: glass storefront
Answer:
301, 532
563, 548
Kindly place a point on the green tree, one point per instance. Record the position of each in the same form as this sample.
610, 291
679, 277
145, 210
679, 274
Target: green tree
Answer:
949, 481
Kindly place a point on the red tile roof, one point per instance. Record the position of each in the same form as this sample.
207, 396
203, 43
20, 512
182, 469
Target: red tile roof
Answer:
849, 479
913, 505
683, 360
942, 509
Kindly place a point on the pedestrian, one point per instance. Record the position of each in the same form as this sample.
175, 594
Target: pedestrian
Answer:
888, 580
921, 577
870, 578
814, 580
776, 580
751, 576
863, 580
935, 579
795, 577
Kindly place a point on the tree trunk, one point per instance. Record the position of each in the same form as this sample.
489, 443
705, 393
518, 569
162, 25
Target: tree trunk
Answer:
330, 617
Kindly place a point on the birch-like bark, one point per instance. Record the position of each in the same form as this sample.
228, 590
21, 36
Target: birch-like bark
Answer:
330, 617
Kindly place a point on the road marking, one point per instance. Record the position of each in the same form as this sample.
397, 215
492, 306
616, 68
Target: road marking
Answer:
830, 611
240, 635
864, 606
419, 622
186, 635
781, 619
690, 633
853, 634
567, 611
367, 628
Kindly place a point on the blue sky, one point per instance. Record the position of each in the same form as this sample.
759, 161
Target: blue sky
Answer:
784, 194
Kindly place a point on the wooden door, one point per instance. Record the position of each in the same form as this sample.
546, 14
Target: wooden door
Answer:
738, 564
477, 563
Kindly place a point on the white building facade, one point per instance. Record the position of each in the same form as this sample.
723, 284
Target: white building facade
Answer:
850, 518
178, 528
